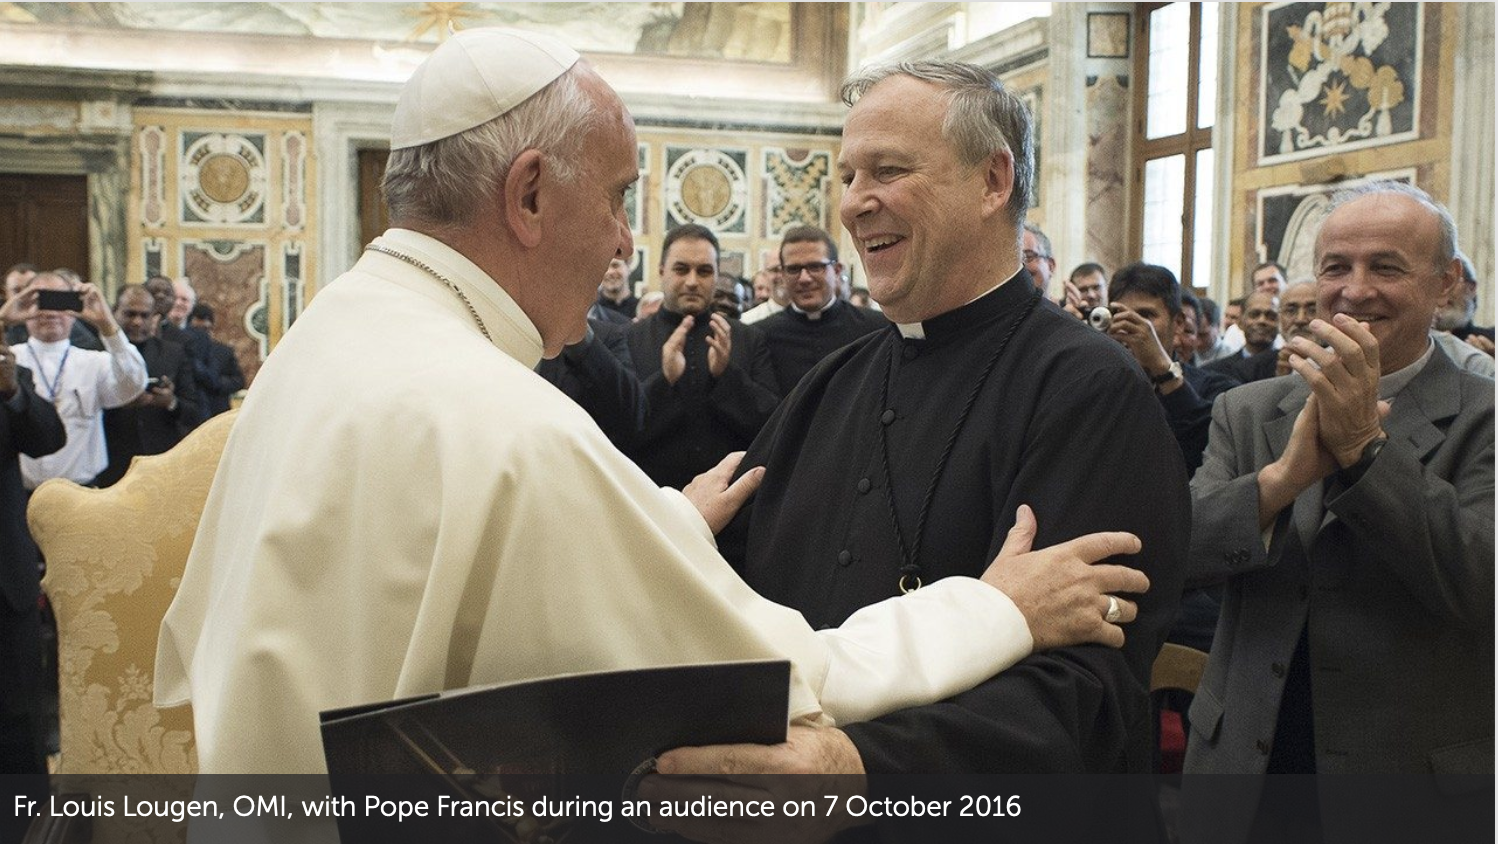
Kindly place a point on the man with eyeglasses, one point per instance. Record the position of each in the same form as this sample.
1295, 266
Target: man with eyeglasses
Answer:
816, 322
1297, 309
708, 382
1035, 249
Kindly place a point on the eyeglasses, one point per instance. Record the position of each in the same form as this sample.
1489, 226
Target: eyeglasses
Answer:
1032, 255
795, 270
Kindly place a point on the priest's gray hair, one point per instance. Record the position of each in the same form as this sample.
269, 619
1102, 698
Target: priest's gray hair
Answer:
1445, 247
443, 182
983, 117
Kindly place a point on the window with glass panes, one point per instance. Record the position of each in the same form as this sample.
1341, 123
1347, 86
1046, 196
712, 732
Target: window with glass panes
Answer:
1175, 102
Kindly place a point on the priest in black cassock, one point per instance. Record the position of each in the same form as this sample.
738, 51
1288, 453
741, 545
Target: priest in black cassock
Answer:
707, 380
902, 458
817, 322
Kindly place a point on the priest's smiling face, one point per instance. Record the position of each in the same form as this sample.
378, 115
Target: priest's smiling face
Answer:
811, 276
919, 215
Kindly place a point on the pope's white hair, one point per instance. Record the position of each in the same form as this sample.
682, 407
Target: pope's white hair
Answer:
443, 182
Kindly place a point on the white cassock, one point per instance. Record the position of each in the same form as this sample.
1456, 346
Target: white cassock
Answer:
404, 507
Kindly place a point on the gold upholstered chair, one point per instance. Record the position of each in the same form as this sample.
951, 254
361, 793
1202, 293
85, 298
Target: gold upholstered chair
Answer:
114, 560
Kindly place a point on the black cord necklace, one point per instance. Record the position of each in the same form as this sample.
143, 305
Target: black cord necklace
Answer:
910, 572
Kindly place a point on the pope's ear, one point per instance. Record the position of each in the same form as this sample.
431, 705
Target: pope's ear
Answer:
522, 198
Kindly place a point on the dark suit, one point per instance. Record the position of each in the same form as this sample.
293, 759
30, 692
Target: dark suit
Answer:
694, 423
30, 426
1470, 329
224, 378
1390, 578
1246, 370
132, 431
599, 375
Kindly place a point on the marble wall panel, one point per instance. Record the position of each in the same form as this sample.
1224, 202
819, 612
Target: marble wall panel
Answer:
237, 200
230, 276
1107, 172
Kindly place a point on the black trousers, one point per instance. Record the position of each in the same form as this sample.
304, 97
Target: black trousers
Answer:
21, 747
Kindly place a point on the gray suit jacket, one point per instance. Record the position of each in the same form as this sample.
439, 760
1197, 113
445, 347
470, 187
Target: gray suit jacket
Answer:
1393, 575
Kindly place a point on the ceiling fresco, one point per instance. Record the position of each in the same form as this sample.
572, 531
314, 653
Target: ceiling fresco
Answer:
754, 32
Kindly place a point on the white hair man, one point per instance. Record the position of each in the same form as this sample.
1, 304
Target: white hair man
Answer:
386, 522
1370, 472
182, 301
80, 383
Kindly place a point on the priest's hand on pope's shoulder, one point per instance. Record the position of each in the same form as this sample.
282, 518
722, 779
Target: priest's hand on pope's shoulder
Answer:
1064, 593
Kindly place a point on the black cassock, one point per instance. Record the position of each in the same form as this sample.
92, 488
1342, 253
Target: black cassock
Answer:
797, 342
691, 425
1067, 423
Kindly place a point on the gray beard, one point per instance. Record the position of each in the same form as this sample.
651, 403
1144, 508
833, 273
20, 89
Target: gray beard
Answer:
1451, 318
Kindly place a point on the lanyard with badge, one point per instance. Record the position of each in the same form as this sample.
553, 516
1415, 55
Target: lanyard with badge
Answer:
53, 384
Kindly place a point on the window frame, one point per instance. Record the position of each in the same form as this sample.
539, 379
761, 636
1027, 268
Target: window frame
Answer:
1187, 143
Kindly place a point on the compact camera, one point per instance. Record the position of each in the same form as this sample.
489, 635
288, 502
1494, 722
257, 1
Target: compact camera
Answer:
1100, 318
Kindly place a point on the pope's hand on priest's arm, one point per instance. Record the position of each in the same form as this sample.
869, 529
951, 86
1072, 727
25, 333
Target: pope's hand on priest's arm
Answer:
1063, 592
717, 499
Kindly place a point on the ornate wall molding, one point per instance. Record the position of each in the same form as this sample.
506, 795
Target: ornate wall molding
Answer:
1471, 197
339, 131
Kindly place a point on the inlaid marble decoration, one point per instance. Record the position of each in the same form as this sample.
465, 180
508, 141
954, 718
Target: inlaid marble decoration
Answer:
796, 183
291, 282
639, 267
231, 276
1289, 216
153, 143
634, 198
1338, 76
222, 178
1107, 35
707, 187
294, 180
151, 249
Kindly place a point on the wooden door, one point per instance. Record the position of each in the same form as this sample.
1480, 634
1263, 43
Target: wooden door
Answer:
44, 221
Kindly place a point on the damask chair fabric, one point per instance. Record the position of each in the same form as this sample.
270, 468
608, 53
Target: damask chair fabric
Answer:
114, 561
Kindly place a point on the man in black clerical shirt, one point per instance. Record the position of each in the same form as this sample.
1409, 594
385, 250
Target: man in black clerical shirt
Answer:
816, 322
708, 382
903, 457
1261, 327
